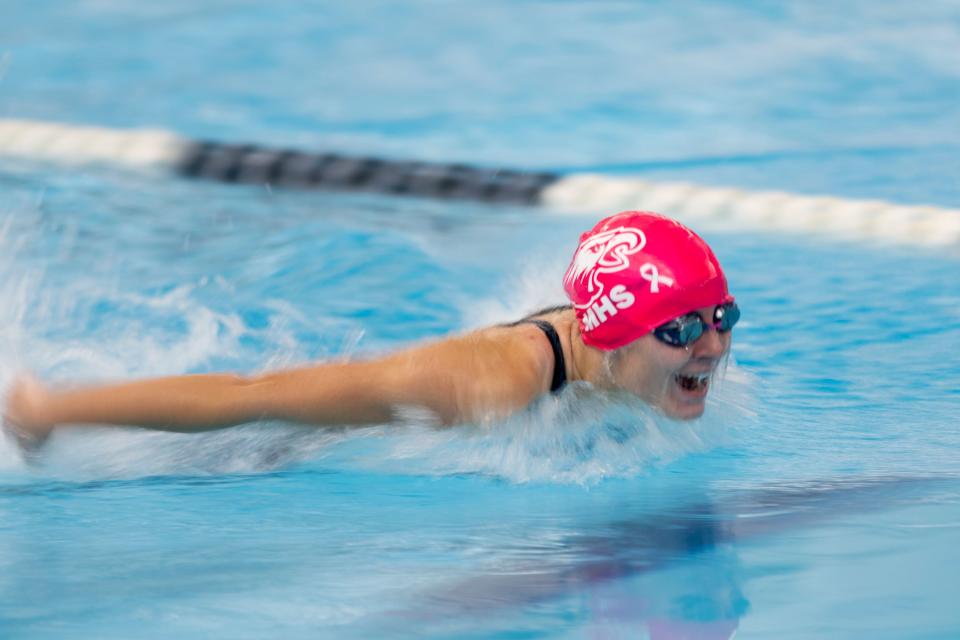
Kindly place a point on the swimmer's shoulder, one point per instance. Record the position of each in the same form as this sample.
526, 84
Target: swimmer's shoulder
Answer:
518, 351
518, 342
488, 372
526, 346
530, 325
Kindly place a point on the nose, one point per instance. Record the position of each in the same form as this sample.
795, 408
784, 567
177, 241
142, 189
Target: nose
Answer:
711, 344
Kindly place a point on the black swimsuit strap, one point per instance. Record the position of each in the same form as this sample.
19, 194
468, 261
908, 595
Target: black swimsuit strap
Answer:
559, 364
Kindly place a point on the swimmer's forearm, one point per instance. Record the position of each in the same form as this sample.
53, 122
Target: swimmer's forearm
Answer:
328, 394
180, 403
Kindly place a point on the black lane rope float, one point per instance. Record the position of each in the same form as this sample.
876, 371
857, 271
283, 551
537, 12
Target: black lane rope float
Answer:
871, 220
252, 164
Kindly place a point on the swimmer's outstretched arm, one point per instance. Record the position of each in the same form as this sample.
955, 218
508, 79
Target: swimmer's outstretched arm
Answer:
458, 379
324, 394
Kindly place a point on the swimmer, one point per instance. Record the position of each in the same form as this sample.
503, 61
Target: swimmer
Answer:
650, 315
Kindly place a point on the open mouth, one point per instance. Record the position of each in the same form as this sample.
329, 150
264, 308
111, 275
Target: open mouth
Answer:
695, 383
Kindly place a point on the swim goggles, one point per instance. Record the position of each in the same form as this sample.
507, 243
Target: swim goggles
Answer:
686, 329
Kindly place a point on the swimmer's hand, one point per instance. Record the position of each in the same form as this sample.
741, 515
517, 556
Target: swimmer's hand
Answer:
23, 416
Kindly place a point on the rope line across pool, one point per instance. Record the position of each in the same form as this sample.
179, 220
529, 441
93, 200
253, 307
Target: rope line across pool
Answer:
252, 164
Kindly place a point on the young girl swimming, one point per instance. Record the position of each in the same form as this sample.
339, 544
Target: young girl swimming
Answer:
650, 315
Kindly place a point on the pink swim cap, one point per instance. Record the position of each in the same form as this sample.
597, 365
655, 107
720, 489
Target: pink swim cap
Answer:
637, 270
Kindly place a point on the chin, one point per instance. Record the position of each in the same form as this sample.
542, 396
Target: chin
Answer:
685, 412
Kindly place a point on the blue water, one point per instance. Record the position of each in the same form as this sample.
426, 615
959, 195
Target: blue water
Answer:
818, 497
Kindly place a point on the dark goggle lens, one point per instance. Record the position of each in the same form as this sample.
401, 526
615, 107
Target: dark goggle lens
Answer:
680, 332
689, 328
725, 316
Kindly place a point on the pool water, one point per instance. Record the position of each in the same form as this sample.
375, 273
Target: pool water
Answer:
818, 497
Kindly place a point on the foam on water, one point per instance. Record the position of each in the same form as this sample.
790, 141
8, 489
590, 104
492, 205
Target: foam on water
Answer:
579, 437
64, 335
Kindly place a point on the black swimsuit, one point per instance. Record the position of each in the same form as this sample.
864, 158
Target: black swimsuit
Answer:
559, 365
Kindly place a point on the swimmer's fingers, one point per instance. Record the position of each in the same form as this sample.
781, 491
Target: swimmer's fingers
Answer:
22, 415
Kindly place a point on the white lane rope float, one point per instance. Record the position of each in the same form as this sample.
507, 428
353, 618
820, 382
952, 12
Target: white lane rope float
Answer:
871, 220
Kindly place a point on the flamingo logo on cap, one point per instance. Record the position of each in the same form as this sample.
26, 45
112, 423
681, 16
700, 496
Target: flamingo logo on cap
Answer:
605, 252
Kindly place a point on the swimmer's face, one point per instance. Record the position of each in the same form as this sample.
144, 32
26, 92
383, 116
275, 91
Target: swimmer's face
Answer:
674, 379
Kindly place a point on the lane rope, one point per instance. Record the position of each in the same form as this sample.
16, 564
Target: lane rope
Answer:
871, 220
